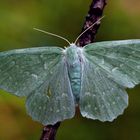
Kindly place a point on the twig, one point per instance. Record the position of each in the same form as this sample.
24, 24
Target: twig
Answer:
95, 12
49, 132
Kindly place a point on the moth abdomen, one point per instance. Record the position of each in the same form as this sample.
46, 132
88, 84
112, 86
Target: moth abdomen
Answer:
75, 80
74, 70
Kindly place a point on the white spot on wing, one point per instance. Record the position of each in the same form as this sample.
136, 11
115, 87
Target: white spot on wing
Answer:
89, 106
35, 76
113, 103
51, 109
57, 111
121, 65
87, 93
13, 62
138, 67
103, 93
64, 95
45, 66
41, 56
95, 108
102, 61
114, 69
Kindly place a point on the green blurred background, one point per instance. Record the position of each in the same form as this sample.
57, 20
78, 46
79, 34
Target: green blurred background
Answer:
65, 17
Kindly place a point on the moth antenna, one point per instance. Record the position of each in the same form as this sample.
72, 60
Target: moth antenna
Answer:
52, 34
88, 29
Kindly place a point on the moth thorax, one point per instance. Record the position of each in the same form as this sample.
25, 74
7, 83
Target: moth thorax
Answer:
72, 53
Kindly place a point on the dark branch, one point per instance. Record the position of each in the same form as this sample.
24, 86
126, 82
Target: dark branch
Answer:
94, 14
49, 132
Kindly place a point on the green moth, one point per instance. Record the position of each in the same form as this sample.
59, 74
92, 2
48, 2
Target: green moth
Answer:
56, 80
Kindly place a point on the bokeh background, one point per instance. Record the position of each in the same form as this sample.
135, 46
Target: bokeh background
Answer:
65, 17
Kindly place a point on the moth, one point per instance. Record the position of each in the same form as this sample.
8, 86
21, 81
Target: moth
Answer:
56, 80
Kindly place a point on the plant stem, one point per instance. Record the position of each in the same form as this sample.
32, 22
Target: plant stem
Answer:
94, 14
49, 132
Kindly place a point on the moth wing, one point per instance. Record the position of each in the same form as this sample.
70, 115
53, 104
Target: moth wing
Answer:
24, 70
53, 102
100, 98
119, 59
41, 75
108, 68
